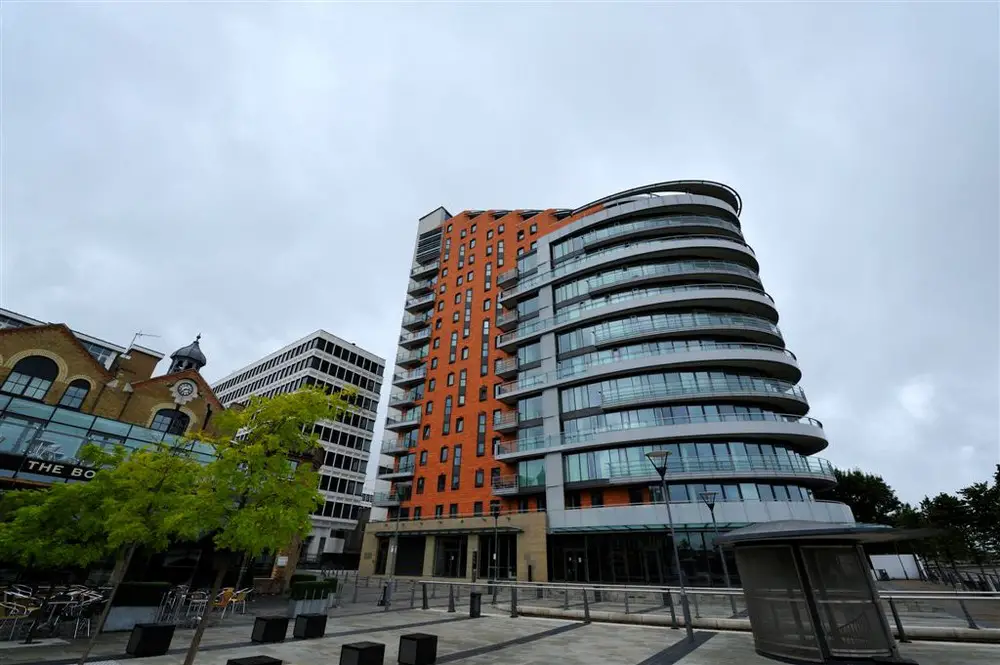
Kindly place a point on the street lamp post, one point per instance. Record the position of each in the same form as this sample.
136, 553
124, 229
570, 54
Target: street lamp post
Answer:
495, 511
658, 458
709, 498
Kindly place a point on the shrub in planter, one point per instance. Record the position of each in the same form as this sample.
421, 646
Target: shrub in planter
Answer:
301, 577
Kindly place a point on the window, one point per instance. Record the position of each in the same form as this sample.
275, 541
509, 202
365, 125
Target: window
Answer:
446, 427
462, 386
472, 259
458, 298
437, 342
434, 363
75, 393
454, 317
423, 457
456, 468
31, 377
451, 378
495, 506
459, 425
458, 282
479, 477
597, 498
471, 276
472, 229
635, 495
461, 233
482, 393
453, 347
489, 250
431, 385
486, 305
499, 253
441, 482
472, 243
170, 421
427, 431
439, 511
444, 453
450, 226
484, 354
489, 234
481, 434
494, 476
429, 408
477, 507
444, 273
465, 353
440, 305
520, 234
540, 503
520, 251
522, 505
533, 229
443, 288
500, 228
437, 324
416, 513
573, 500
420, 485
453, 510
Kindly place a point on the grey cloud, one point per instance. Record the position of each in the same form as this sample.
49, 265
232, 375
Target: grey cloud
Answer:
255, 171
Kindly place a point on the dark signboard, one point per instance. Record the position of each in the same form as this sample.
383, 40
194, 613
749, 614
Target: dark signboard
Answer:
21, 464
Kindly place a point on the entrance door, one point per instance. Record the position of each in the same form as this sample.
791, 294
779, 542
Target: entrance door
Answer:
575, 562
652, 568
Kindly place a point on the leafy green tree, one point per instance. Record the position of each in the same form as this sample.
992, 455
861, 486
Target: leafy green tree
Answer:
871, 499
950, 515
259, 492
983, 507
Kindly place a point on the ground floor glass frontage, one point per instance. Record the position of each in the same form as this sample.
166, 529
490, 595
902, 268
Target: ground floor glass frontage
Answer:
637, 558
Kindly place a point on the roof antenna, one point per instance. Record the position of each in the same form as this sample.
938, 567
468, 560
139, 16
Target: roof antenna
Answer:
131, 344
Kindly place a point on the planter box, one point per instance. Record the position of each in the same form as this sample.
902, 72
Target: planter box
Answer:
308, 626
362, 653
269, 629
317, 606
254, 660
126, 618
150, 639
418, 649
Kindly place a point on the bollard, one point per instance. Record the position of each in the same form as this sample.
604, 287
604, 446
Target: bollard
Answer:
626, 601
899, 624
513, 602
340, 593
475, 605
566, 600
539, 593
496, 590
426, 605
354, 599
673, 613
434, 591
697, 613
386, 596
413, 595
597, 595
586, 608
367, 579
451, 598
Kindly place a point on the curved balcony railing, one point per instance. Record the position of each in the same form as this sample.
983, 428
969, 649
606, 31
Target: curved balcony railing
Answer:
799, 466
626, 329
566, 315
579, 263
730, 384
568, 438
581, 364
621, 276
639, 226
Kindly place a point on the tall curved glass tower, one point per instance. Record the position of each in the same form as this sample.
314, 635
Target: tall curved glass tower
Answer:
637, 322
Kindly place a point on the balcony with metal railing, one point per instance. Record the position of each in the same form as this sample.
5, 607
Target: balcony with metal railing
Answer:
507, 276
416, 321
514, 485
402, 472
425, 269
728, 467
505, 422
412, 358
408, 420
409, 378
415, 339
505, 367
420, 287
421, 303
784, 393
398, 446
408, 398
389, 499
509, 391
506, 320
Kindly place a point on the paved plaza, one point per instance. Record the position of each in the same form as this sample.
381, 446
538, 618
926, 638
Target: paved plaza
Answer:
489, 640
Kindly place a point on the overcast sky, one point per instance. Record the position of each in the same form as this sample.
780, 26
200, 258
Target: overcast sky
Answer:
254, 172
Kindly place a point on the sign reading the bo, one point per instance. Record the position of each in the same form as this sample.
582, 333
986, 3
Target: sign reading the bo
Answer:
60, 470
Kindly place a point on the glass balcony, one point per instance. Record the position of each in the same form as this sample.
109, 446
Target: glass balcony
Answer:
507, 319
726, 384
389, 499
611, 233
410, 340
396, 446
616, 278
421, 303
503, 422
505, 367
532, 444
569, 438
626, 330
415, 321
507, 276
728, 467
420, 287
425, 269
512, 485
407, 398
409, 378
399, 473
408, 420
508, 390
411, 358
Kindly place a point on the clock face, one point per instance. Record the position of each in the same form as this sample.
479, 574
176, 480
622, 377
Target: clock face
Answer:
185, 389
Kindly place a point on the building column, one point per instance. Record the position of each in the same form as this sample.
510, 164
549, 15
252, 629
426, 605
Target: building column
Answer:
429, 543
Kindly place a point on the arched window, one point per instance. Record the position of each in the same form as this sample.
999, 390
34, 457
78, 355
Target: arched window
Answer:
75, 393
170, 421
31, 377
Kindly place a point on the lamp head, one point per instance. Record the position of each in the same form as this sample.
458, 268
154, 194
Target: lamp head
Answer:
495, 511
658, 458
709, 498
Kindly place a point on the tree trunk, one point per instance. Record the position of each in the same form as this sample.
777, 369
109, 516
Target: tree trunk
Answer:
243, 570
117, 577
192, 651
41, 613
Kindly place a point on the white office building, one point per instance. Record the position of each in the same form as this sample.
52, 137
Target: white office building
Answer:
325, 360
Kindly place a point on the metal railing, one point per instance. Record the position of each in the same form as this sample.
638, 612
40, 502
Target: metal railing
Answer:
411, 417
395, 446
626, 329
809, 467
425, 268
411, 375
419, 335
419, 302
407, 397
627, 228
416, 319
958, 616
581, 364
731, 384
